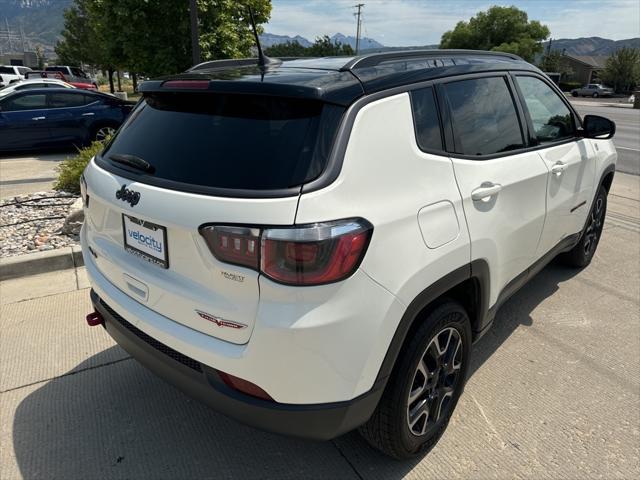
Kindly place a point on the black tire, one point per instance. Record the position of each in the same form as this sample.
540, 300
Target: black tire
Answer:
595, 95
389, 429
574, 94
581, 255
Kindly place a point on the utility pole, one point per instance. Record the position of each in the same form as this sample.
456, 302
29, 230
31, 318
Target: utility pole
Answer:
195, 35
358, 15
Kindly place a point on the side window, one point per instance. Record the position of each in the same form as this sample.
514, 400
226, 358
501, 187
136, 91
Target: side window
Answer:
78, 73
425, 118
484, 117
29, 86
34, 101
66, 100
552, 120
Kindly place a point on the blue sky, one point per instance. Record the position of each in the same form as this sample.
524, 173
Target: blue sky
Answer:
422, 22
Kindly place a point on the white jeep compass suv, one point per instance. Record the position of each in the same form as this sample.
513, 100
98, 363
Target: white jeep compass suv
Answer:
313, 246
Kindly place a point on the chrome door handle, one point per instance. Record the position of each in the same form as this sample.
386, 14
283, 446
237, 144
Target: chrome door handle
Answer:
89, 114
485, 191
38, 118
558, 168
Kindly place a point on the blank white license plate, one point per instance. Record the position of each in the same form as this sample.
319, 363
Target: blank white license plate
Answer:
145, 240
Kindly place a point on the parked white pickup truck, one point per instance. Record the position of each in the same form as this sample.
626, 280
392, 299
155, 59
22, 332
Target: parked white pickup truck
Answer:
12, 73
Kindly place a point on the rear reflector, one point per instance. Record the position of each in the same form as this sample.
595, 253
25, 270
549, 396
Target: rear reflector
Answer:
244, 386
187, 84
313, 254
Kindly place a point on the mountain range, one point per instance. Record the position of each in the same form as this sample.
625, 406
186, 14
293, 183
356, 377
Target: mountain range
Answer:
594, 46
270, 39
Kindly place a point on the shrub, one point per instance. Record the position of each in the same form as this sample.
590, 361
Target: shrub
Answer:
70, 169
568, 86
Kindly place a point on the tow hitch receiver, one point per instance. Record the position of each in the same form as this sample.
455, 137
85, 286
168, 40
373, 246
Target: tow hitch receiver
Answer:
94, 319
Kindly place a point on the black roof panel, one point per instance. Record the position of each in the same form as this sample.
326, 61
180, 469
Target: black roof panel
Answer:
342, 80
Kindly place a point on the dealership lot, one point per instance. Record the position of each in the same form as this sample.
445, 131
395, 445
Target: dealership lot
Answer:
554, 390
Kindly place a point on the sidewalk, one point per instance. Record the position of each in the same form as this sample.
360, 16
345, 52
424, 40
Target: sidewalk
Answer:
554, 390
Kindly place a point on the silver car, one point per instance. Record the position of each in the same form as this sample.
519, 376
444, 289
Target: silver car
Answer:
592, 90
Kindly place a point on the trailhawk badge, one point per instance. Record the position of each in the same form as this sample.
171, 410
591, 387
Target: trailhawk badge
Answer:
221, 322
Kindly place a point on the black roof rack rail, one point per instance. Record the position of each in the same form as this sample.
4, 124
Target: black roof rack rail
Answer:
374, 59
226, 63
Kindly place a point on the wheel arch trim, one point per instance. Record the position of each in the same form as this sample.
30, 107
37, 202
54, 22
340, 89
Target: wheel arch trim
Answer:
478, 270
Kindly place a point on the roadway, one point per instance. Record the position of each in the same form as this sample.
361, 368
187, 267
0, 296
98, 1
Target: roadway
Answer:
627, 137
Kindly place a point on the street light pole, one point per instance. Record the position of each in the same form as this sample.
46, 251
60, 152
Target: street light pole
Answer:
195, 35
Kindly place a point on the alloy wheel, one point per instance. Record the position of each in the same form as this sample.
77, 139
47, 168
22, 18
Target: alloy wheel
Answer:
434, 381
594, 227
104, 133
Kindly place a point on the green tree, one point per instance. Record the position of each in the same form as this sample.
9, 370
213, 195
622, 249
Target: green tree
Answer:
152, 37
78, 38
501, 29
322, 47
325, 47
288, 49
552, 62
622, 70
40, 57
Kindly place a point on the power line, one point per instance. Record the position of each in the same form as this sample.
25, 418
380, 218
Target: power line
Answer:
358, 15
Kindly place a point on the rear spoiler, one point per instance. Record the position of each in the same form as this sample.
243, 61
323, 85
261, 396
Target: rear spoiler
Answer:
197, 83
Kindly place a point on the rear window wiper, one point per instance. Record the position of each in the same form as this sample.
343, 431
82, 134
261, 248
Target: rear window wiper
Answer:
132, 161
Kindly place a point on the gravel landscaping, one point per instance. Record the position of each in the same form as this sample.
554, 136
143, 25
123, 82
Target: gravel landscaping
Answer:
31, 223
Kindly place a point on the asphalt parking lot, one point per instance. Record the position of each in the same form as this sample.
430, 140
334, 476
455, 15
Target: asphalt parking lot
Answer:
22, 173
554, 390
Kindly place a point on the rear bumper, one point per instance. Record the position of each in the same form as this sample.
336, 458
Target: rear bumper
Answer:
318, 421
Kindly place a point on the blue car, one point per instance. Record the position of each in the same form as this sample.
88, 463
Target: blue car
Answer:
49, 117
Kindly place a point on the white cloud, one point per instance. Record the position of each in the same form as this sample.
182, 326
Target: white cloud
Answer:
413, 22
616, 20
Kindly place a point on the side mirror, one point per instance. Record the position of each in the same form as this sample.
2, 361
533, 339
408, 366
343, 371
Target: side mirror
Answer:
595, 126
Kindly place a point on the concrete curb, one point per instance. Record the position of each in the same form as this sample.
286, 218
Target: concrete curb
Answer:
40, 262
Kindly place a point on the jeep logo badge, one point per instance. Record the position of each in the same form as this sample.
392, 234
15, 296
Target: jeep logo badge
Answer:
127, 195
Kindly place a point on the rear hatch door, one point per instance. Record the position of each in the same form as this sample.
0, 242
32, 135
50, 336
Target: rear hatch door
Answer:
184, 160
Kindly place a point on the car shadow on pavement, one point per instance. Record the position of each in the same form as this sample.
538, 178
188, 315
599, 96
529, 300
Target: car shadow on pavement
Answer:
120, 421
44, 155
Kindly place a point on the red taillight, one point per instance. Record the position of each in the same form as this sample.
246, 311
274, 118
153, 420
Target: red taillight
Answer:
314, 255
244, 386
306, 255
237, 245
187, 84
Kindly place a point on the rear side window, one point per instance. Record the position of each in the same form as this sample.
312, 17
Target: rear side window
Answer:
552, 120
484, 116
229, 141
425, 117
7, 70
62, 100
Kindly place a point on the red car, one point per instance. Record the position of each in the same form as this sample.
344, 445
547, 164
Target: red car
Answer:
84, 82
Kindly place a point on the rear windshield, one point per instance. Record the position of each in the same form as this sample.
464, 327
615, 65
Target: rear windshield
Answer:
228, 141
